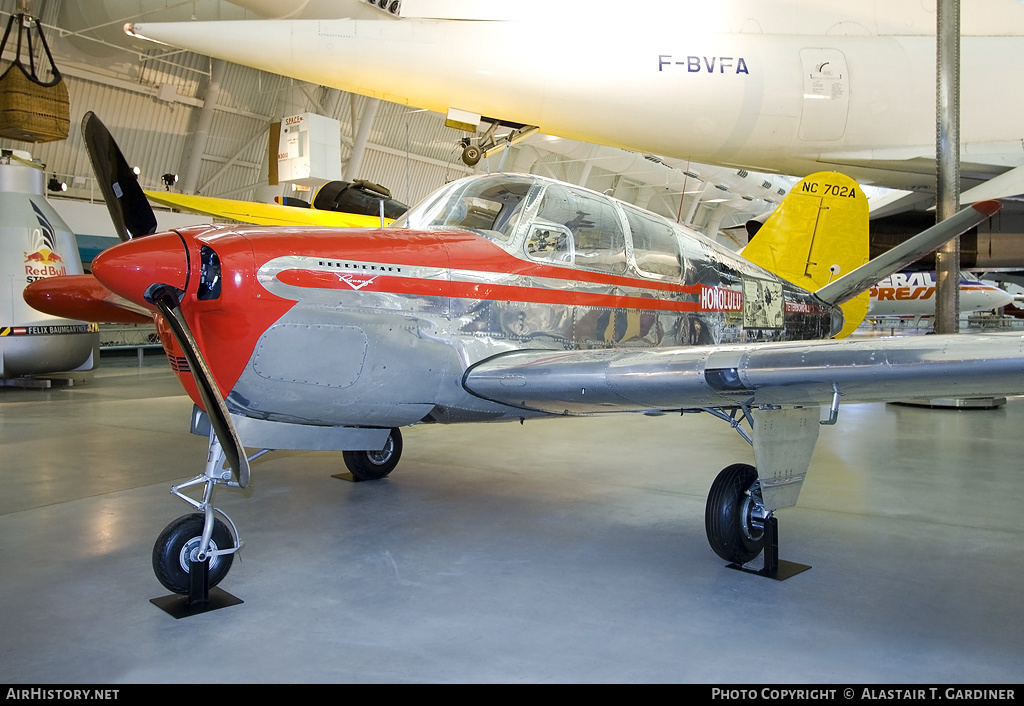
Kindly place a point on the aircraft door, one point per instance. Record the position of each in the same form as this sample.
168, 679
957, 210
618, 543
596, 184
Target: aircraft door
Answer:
826, 104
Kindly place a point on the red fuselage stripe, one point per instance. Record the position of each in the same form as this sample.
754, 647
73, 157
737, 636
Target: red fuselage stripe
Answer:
318, 279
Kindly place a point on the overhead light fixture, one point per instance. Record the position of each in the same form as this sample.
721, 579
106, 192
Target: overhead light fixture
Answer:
136, 171
169, 180
56, 184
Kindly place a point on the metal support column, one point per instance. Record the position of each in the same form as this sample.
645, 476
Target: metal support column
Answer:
359, 143
202, 134
947, 162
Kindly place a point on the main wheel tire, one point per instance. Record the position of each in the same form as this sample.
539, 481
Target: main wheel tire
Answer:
179, 543
732, 530
374, 465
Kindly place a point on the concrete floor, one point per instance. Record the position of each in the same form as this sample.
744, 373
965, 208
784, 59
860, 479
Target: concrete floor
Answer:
563, 551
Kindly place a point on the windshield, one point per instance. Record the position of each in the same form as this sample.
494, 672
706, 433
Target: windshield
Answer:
489, 206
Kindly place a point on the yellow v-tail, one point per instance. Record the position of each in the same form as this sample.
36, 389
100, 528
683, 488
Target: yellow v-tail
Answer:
816, 235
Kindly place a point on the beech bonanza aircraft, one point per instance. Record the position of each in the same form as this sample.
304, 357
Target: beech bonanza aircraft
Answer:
515, 297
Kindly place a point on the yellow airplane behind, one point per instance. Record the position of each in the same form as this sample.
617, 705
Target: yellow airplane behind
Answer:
340, 204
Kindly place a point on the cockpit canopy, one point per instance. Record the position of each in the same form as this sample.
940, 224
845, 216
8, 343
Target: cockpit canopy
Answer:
548, 221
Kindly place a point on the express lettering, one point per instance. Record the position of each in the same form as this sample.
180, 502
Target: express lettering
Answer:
901, 293
708, 64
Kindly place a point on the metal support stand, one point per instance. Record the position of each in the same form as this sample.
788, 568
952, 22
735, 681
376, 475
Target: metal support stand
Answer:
200, 599
774, 568
350, 478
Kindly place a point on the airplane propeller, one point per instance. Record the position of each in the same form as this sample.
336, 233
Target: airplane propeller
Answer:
127, 203
166, 299
133, 217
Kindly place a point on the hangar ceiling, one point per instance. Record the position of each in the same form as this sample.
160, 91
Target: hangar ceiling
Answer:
208, 120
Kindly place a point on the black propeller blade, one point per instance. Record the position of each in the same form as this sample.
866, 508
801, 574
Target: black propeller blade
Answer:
165, 297
128, 206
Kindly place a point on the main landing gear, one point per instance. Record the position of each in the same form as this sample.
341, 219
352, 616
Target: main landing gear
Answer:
739, 523
739, 527
734, 516
476, 148
374, 465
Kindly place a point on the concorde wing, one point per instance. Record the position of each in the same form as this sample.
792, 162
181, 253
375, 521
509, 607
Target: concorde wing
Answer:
269, 214
797, 373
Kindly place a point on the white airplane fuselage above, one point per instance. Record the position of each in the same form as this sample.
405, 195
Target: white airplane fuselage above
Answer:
850, 93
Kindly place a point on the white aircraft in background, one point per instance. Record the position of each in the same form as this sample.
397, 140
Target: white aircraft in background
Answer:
785, 87
912, 295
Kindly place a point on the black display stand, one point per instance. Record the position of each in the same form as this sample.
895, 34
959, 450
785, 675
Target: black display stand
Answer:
200, 599
774, 568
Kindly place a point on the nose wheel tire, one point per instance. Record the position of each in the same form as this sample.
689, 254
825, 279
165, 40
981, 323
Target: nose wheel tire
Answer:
178, 545
374, 465
734, 517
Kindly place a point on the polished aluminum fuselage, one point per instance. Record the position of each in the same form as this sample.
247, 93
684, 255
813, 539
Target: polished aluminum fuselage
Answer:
386, 323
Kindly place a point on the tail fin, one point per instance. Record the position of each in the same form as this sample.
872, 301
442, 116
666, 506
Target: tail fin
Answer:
816, 235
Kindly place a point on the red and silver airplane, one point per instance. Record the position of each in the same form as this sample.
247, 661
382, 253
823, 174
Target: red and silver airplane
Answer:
512, 297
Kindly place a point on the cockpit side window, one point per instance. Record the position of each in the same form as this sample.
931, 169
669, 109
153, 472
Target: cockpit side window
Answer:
589, 226
550, 242
655, 245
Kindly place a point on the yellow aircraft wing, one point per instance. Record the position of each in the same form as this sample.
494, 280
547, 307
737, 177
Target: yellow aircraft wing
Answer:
264, 213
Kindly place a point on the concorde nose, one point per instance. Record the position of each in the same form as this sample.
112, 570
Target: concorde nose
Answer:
129, 268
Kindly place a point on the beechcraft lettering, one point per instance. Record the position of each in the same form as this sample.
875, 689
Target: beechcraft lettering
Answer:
709, 64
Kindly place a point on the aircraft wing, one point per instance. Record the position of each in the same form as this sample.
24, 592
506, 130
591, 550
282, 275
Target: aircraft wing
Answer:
270, 214
84, 298
793, 373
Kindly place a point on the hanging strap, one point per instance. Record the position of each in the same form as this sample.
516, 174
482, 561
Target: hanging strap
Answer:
31, 72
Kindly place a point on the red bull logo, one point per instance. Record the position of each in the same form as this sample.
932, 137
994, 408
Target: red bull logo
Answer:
43, 263
44, 256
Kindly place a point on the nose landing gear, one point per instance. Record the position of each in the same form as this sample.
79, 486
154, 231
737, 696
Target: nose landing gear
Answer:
195, 552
